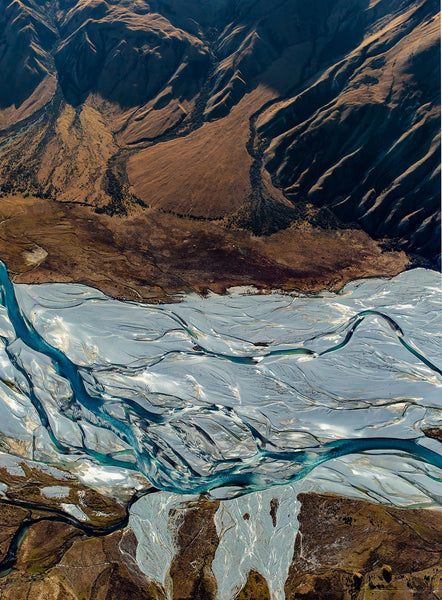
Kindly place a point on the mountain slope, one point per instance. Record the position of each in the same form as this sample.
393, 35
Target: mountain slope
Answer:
252, 115
363, 138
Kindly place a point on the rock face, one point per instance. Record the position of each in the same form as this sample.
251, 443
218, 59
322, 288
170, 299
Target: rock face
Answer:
255, 115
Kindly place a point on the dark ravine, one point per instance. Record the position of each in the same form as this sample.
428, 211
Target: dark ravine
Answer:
261, 213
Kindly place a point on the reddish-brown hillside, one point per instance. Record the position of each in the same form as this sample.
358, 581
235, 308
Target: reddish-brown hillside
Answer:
252, 117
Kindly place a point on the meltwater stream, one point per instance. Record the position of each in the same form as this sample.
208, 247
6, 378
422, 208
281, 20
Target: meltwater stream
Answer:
227, 394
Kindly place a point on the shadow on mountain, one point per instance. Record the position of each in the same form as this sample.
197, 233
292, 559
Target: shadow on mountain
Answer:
263, 109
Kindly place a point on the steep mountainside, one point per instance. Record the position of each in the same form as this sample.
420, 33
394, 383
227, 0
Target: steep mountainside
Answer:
254, 114
363, 135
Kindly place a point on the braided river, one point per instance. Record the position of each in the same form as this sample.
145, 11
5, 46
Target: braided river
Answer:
234, 396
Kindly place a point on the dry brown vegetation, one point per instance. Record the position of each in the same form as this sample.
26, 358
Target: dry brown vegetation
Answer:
148, 113
205, 173
150, 255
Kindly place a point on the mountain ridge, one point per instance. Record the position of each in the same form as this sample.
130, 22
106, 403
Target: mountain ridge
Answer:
249, 116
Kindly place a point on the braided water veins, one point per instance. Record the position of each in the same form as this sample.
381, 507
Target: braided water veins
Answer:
233, 393
269, 394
